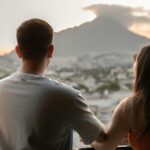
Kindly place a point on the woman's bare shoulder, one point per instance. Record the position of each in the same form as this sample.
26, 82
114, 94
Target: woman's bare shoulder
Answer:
123, 111
125, 104
132, 107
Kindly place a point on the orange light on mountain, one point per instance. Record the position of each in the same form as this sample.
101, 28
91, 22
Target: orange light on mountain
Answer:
141, 29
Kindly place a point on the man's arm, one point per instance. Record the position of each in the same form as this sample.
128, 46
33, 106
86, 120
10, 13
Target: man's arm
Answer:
83, 120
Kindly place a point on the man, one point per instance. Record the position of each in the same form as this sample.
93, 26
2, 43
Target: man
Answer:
37, 113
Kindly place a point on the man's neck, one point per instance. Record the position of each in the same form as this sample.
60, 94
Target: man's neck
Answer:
33, 68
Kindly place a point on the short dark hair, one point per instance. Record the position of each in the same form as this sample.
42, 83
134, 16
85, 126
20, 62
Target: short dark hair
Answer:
34, 37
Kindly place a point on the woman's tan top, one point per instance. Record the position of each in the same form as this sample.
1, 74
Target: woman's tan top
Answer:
138, 143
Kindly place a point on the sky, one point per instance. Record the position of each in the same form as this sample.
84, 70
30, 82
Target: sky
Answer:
61, 14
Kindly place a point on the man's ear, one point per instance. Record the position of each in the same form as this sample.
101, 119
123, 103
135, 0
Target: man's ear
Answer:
50, 51
18, 52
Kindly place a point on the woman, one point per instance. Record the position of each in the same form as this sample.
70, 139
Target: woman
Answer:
132, 115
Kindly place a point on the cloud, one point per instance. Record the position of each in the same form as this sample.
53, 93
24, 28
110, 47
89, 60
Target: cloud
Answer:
125, 15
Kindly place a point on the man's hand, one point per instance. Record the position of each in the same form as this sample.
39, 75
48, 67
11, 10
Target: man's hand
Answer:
102, 137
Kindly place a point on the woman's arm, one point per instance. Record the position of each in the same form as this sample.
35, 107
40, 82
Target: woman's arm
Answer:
120, 126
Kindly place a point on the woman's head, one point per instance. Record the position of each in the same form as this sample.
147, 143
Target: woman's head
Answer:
142, 69
142, 78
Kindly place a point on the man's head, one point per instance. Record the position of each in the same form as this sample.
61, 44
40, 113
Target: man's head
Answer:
34, 38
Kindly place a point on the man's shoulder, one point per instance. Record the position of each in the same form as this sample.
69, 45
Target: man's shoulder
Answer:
44, 84
63, 93
62, 88
5, 79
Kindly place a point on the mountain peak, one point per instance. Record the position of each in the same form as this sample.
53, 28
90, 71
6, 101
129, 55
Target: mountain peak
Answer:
104, 34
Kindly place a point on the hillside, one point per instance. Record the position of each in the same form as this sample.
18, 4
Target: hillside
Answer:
104, 34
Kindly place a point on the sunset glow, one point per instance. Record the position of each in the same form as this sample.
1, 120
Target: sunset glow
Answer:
141, 29
5, 51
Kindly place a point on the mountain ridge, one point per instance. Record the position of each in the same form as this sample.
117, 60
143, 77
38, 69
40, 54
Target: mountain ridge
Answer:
104, 34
